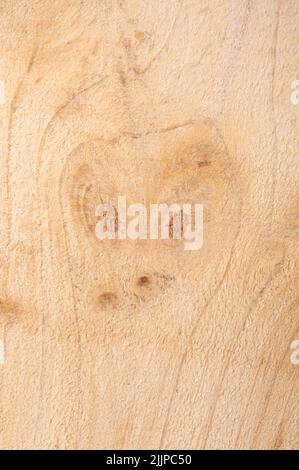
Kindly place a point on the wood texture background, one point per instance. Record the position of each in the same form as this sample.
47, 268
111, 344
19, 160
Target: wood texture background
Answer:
143, 345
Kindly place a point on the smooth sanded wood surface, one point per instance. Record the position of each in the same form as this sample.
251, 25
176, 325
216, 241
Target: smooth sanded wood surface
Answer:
140, 344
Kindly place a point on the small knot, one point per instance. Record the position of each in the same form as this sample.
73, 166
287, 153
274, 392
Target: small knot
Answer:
108, 299
143, 281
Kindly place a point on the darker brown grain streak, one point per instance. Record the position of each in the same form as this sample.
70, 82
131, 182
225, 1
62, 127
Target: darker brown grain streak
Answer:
247, 404
141, 72
227, 363
56, 114
277, 444
192, 334
80, 355
13, 107
249, 401
267, 398
39, 153
246, 408
8, 175
274, 61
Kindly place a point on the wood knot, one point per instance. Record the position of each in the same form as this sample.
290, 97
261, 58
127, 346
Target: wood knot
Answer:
108, 299
13, 313
143, 281
148, 286
9, 311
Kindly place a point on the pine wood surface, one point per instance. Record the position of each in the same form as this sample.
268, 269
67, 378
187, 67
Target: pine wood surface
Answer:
139, 344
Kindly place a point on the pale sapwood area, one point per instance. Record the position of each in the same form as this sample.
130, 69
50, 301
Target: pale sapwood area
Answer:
140, 344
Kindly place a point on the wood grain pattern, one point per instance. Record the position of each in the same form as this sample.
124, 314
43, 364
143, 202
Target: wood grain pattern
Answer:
140, 344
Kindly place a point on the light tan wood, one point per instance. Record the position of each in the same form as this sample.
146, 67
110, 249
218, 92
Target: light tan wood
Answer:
140, 344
